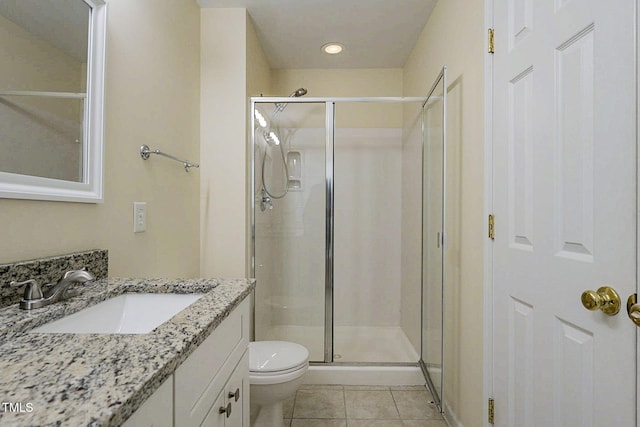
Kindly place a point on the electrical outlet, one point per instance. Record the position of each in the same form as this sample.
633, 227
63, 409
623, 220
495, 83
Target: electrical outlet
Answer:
139, 217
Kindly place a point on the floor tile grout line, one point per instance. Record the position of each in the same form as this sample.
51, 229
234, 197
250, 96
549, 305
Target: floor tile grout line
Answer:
344, 400
396, 404
345, 418
293, 408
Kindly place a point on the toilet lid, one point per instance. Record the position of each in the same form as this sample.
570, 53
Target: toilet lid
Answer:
274, 356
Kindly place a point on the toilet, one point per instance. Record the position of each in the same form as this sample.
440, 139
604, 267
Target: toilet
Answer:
276, 370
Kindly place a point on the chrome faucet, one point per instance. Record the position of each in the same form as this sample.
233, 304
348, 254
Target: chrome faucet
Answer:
34, 297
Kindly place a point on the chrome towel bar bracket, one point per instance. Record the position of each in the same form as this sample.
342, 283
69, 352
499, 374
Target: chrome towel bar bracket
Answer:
145, 152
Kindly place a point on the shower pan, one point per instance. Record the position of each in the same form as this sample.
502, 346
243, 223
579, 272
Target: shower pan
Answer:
328, 230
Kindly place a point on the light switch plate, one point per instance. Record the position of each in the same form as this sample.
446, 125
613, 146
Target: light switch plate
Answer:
139, 217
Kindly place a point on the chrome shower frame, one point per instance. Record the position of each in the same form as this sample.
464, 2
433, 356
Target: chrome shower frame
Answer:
330, 104
436, 392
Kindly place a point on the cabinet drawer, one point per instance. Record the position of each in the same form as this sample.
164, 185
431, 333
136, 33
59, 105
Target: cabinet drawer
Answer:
200, 378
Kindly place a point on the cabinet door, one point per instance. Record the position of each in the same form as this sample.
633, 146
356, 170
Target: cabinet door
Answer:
237, 394
205, 373
216, 418
157, 410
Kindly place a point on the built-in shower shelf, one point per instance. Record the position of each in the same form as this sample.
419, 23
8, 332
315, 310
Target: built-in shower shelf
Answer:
294, 166
294, 185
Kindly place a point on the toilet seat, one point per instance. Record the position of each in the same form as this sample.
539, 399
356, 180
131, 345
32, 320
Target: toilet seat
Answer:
273, 362
270, 378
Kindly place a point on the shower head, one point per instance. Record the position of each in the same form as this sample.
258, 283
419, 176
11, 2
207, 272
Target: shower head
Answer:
295, 94
298, 93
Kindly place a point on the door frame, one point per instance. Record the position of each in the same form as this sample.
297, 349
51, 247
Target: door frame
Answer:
637, 55
488, 209
488, 369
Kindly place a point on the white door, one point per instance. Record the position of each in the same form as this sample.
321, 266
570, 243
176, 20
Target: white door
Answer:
564, 205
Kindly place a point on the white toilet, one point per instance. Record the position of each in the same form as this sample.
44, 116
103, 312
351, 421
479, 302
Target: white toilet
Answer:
276, 370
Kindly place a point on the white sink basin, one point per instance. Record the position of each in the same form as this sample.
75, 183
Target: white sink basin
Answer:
124, 314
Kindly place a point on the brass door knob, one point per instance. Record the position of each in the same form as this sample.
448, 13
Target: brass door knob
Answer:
633, 309
605, 299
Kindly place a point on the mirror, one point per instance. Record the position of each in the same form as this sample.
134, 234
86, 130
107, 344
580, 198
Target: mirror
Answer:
51, 99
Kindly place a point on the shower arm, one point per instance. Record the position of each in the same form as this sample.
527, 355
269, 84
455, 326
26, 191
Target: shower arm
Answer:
146, 152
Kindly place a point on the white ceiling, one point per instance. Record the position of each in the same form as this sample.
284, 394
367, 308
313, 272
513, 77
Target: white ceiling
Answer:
375, 33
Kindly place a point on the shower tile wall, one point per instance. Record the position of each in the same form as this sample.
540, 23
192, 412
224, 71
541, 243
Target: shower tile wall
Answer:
367, 227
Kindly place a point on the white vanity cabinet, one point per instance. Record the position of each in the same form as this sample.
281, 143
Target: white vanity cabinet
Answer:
206, 383
211, 387
157, 410
227, 411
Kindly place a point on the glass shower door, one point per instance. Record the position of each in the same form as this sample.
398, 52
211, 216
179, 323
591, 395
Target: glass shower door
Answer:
368, 277
290, 195
433, 235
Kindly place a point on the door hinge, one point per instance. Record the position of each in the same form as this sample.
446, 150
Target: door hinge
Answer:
491, 45
492, 227
491, 410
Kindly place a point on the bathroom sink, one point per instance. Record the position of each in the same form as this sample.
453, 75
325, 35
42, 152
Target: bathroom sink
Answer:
124, 314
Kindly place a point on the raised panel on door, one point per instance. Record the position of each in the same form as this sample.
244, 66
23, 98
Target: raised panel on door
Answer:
573, 380
520, 160
520, 20
574, 144
520, 375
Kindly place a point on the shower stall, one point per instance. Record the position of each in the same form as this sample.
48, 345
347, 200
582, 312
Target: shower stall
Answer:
337, 230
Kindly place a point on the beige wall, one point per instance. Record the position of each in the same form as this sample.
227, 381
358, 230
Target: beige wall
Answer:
338, 82
258, 83
359, 82
258, 70
152, 97
234, 68
460, 47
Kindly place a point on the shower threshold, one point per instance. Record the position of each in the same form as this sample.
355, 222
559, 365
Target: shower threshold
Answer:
363, 374
354, 344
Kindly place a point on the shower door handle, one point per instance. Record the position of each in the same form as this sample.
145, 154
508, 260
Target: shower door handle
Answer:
441, 240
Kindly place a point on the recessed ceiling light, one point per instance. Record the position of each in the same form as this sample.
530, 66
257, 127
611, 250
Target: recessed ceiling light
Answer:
332, 48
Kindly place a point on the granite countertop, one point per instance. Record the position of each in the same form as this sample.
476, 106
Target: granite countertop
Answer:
101, 379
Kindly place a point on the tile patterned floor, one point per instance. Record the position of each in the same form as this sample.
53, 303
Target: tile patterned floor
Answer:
362, 406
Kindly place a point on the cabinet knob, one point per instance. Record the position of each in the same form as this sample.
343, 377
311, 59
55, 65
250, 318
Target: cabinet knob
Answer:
235, 395
225, 410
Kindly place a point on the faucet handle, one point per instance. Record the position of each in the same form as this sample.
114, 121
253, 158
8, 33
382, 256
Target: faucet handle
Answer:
31, 292
87, 276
